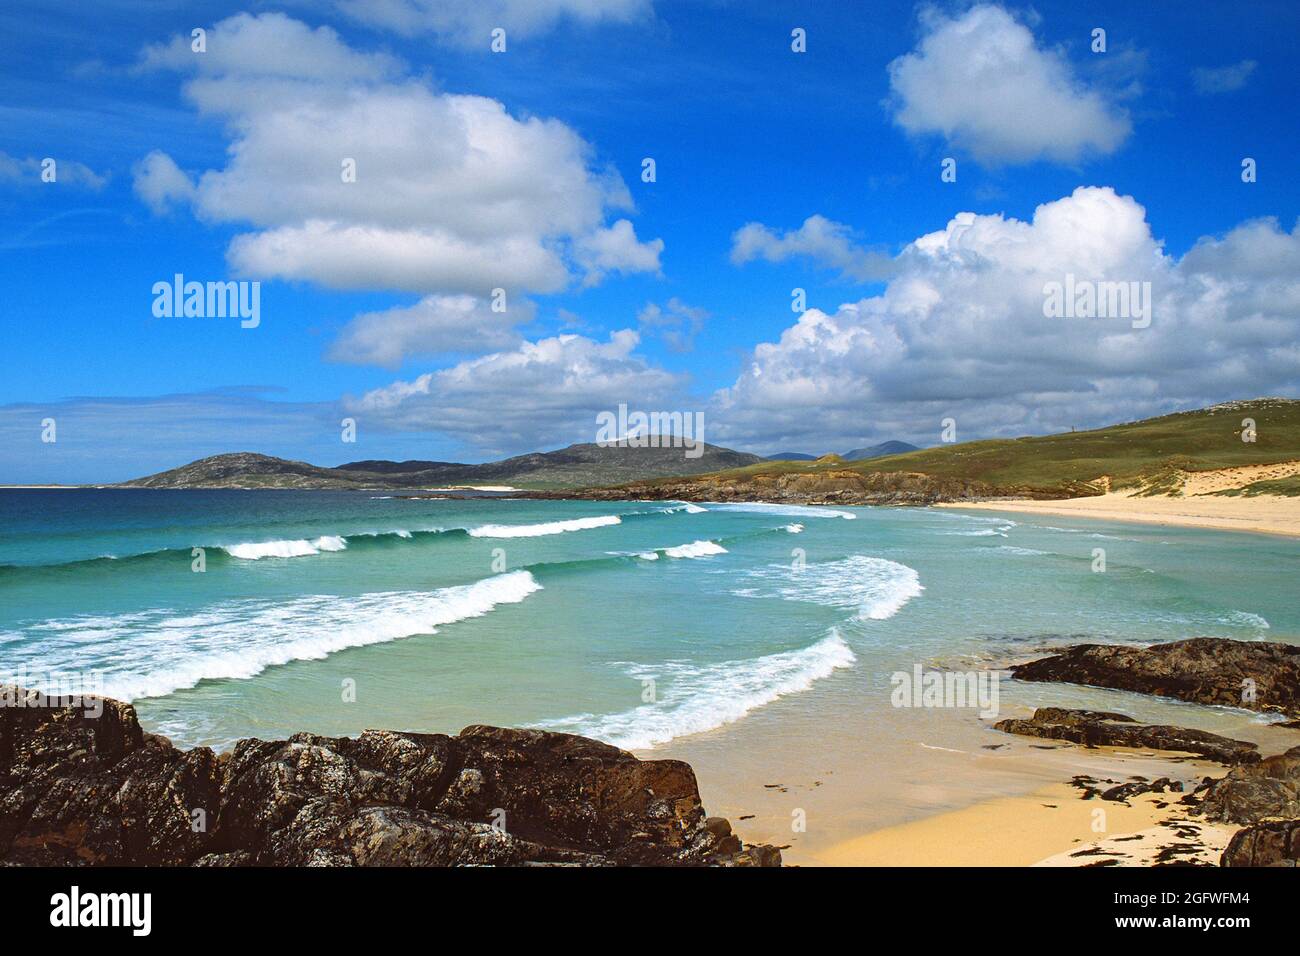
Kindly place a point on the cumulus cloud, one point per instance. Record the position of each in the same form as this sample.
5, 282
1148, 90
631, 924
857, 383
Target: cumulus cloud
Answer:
825, 242
1223, 79
356, 175
960, 332
542, 393
471, 21
271, 45
32, 171
618, 250
435, 325
160, 183
983, 83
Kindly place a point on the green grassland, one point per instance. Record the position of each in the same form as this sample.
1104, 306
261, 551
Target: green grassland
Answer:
1282, 487
1148, 455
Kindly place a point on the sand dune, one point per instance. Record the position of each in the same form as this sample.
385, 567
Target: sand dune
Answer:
1198, 506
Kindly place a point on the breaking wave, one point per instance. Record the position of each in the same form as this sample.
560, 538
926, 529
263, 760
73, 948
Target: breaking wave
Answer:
696, 549
286, 549
153, 653
545, 528
876, 587
794, 511
693, 698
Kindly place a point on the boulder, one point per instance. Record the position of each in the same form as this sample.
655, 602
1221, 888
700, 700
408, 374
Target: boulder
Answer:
1276, 843
1250, 794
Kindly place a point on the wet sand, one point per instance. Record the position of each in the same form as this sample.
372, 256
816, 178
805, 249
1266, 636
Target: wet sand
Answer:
943, 788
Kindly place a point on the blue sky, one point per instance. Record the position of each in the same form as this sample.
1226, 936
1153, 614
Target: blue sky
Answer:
743, 131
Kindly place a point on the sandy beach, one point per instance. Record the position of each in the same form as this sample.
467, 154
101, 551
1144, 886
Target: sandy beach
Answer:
1268, 514
958, 792
1050, 827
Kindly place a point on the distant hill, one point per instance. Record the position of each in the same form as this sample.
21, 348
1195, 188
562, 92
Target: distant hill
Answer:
857, 454
879, 451
383, 467
1148, 457
575, 466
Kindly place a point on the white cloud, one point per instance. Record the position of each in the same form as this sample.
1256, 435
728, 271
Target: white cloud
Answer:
1223, 79
452, 194
982, 82
160, 183
30, 170
270, 45
827, 243
542, 393
471, 21
616, 249
960, 332
436, 324
356, 256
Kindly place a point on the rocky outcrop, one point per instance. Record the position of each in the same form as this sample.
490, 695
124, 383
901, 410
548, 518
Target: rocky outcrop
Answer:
1276, 843
1095, 728
1266, 790
1259, 675
82, 784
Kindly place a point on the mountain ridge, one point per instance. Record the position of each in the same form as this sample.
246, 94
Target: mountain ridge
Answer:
573, 466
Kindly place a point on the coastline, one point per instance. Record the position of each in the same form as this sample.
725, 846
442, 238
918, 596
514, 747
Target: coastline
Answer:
874, 781
969, 806
805, 774
1261, 514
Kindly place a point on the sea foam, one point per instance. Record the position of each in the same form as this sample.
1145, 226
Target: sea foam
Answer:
156, 653
696, 549
255, 551
693, 698
876, 587
794, 511
545, 528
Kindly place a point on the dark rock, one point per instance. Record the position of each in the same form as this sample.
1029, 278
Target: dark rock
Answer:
1125, 791
1275, 843
1204, 670
81, 788
1095, 728
78, 786
1269, 788
718, 826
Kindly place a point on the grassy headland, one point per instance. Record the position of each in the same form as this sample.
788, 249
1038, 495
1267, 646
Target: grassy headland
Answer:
1148, 457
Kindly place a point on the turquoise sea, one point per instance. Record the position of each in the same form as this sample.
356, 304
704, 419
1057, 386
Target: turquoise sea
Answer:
635, 622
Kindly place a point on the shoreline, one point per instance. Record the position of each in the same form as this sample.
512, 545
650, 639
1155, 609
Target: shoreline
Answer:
960, 791
1262, 514
1011, 807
